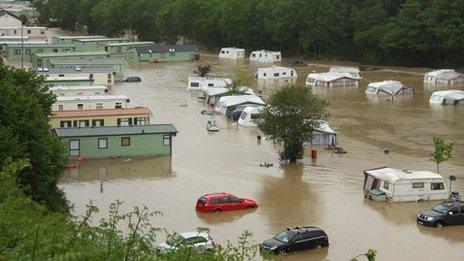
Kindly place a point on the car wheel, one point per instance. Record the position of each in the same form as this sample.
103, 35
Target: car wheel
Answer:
282, 252
250, 207
438, 224
217, 211
318, 246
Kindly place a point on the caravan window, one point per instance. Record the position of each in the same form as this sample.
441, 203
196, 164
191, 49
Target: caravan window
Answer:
386, 184
243, 116
255, 116
371, 89
222, 52
311, 80
437, 186
418, 185
276, 74
253, 55
210, 84
194, 84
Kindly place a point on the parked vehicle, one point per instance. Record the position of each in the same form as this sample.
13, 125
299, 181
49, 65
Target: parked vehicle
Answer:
444, 214
232, 53
200, 241
217, 202
212, 126
132, 79
296, 239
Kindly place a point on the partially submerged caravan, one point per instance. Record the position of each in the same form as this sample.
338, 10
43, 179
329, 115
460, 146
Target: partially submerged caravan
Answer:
390, 88
265, 56
202, 83
227, 104
232, 53
78, 90
96, 102
275, 72
324, 136
250, 116
350, 70
331, 79
448, 97
396, 185
212, 95
444, 76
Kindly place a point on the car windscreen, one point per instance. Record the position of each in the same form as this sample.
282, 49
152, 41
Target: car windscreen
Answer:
440, 208
174, 239
202, 200
284, 237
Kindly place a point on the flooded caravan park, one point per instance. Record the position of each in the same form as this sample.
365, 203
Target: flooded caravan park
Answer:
325, 193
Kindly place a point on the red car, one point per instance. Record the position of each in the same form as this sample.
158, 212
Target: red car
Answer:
217, 202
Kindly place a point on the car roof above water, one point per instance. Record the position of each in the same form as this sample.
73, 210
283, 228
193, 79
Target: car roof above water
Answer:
298, 230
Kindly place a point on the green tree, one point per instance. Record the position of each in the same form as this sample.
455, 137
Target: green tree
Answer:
292, 114
442, 151
24, 110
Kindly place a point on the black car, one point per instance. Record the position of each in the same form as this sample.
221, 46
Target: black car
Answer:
444, 214
132, 79
296, 239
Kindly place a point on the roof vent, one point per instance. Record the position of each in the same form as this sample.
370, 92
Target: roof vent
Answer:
407, 171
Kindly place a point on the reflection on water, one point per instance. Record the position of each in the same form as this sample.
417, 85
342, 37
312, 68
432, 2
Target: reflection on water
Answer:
327, 193
122, 168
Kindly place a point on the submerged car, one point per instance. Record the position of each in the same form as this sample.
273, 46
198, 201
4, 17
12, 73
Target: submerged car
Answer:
444, 214
217, 202
296, 239
200, 241
132, 79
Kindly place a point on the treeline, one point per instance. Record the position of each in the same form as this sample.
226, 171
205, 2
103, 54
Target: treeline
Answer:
399, 32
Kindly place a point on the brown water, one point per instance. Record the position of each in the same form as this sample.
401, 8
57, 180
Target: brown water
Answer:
326, 194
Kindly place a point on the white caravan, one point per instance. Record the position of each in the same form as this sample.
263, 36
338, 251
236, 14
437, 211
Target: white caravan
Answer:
443, 76
232, 53
265, 56
341, 69
448, 97
202, 83
324, 136
227, 104
97, 102
331, 79
275, 72
390, 88
78, 90
212, 95
404, 185
249, 116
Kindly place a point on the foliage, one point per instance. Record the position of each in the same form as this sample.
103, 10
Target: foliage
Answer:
203, 70
240, 82
25, 133
292, 114
370, 255
442, 151
401, 32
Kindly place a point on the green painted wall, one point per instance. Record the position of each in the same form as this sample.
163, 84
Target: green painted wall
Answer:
45, 62
15, 52
90, 46
134, 57
142, 144
118, 68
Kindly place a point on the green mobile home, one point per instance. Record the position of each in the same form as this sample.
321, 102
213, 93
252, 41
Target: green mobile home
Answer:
121, 49
92, 45
122, 141
43, 59
70, 39
163, 53
117, 64
26, 50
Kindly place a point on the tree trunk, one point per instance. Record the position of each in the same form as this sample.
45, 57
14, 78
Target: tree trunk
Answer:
438, 168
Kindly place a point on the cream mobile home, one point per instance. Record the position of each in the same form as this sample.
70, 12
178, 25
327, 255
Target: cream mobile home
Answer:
95, 102
275, 72
265, 56
202, 83
232, 53
78, 90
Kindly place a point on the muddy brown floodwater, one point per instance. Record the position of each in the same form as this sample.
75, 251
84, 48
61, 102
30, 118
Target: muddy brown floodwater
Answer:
327, 193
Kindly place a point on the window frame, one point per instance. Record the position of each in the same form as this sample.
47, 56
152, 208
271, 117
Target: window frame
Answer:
167, 137
125, 138
106, 144
78, 148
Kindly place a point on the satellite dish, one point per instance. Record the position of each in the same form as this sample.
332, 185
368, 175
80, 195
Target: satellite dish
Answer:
452, 178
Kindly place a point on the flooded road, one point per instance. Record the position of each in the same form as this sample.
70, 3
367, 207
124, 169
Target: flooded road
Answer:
327, 193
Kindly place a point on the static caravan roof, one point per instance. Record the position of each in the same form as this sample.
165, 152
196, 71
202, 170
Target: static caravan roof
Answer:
267, 51
4, 12
101, 112
325, 128
67, 79
69, 54
79, 37
102, 40
128, 44
445, 74
393, 175
91, 98
239, 99
39, 45
24, 27
390, 87
77, 88
7, 38
343, 69
232, 48
330, 76
274, 68
450, 94
75, 70
110, 130
58, 61
157, 48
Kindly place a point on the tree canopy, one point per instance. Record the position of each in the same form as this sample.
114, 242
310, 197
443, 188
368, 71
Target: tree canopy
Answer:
396, 32
291, 115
